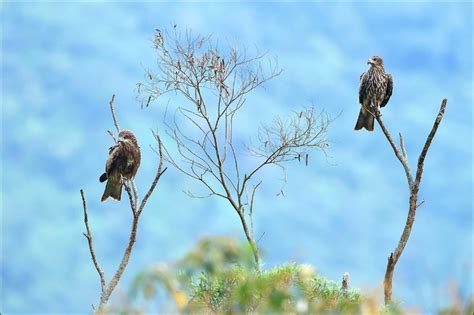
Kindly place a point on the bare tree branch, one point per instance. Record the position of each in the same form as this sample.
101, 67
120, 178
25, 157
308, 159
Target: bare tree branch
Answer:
126, 256
401, 155
212, 88
289, 140
254, 190
136, 208
158, 174
421, 159
414, 188
88, 236
114, 117
112, 135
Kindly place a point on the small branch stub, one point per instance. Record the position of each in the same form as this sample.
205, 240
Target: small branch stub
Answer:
345, 282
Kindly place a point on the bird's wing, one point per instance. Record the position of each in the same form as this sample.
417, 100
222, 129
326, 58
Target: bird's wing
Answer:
112, 148
114, 160
133, 160
137, 158
388, 92
362, 87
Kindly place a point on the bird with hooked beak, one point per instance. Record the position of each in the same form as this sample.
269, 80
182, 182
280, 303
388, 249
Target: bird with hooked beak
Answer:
122, 164
375, 89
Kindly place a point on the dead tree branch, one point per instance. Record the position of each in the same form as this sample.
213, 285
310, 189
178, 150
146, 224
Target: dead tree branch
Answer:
88, 236
213, 87
137, 209
414, 186
112, 111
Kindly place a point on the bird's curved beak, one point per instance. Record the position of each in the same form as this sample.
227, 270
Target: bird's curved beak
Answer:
370, 61
120, 139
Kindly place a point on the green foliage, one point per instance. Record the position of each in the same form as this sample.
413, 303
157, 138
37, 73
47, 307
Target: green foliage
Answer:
392, 308
219, 276
287, 288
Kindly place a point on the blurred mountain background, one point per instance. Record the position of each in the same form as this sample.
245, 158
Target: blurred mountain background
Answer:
61, 63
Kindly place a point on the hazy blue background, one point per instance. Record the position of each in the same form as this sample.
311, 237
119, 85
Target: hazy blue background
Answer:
61, 64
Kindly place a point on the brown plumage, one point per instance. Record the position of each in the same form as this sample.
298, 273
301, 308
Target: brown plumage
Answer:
123, 162
375, 89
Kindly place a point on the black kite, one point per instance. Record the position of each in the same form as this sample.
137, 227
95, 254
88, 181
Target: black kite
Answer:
375, 89
122, 164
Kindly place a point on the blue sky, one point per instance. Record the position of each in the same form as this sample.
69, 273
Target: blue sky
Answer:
62, 62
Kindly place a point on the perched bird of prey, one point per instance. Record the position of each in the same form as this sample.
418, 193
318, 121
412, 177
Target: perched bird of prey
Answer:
123, 162
375, 89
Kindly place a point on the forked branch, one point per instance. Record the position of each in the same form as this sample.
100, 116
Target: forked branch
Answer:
413, 187
137, 209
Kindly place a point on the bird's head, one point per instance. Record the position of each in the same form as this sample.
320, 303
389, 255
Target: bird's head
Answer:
127, 135
375, 61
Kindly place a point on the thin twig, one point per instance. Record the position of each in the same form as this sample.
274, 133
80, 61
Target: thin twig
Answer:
421, 159
114, 117
159, 172
133, 205
401, 157
88, 236
251, 206
402, 146
112, 135
421, 203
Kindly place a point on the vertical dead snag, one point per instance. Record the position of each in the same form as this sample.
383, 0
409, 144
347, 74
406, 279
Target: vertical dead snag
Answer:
137, 209
414, 185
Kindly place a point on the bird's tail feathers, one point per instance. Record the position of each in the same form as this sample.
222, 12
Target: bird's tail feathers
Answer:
369, 122
113, 189
365, 120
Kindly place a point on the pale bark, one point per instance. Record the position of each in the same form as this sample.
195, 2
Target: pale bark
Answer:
414, 185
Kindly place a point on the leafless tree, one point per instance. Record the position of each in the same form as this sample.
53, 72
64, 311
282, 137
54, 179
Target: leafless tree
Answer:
413, 185
137, 208
213, 85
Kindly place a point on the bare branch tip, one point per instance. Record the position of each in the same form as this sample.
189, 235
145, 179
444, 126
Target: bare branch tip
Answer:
112, 110
112, 135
